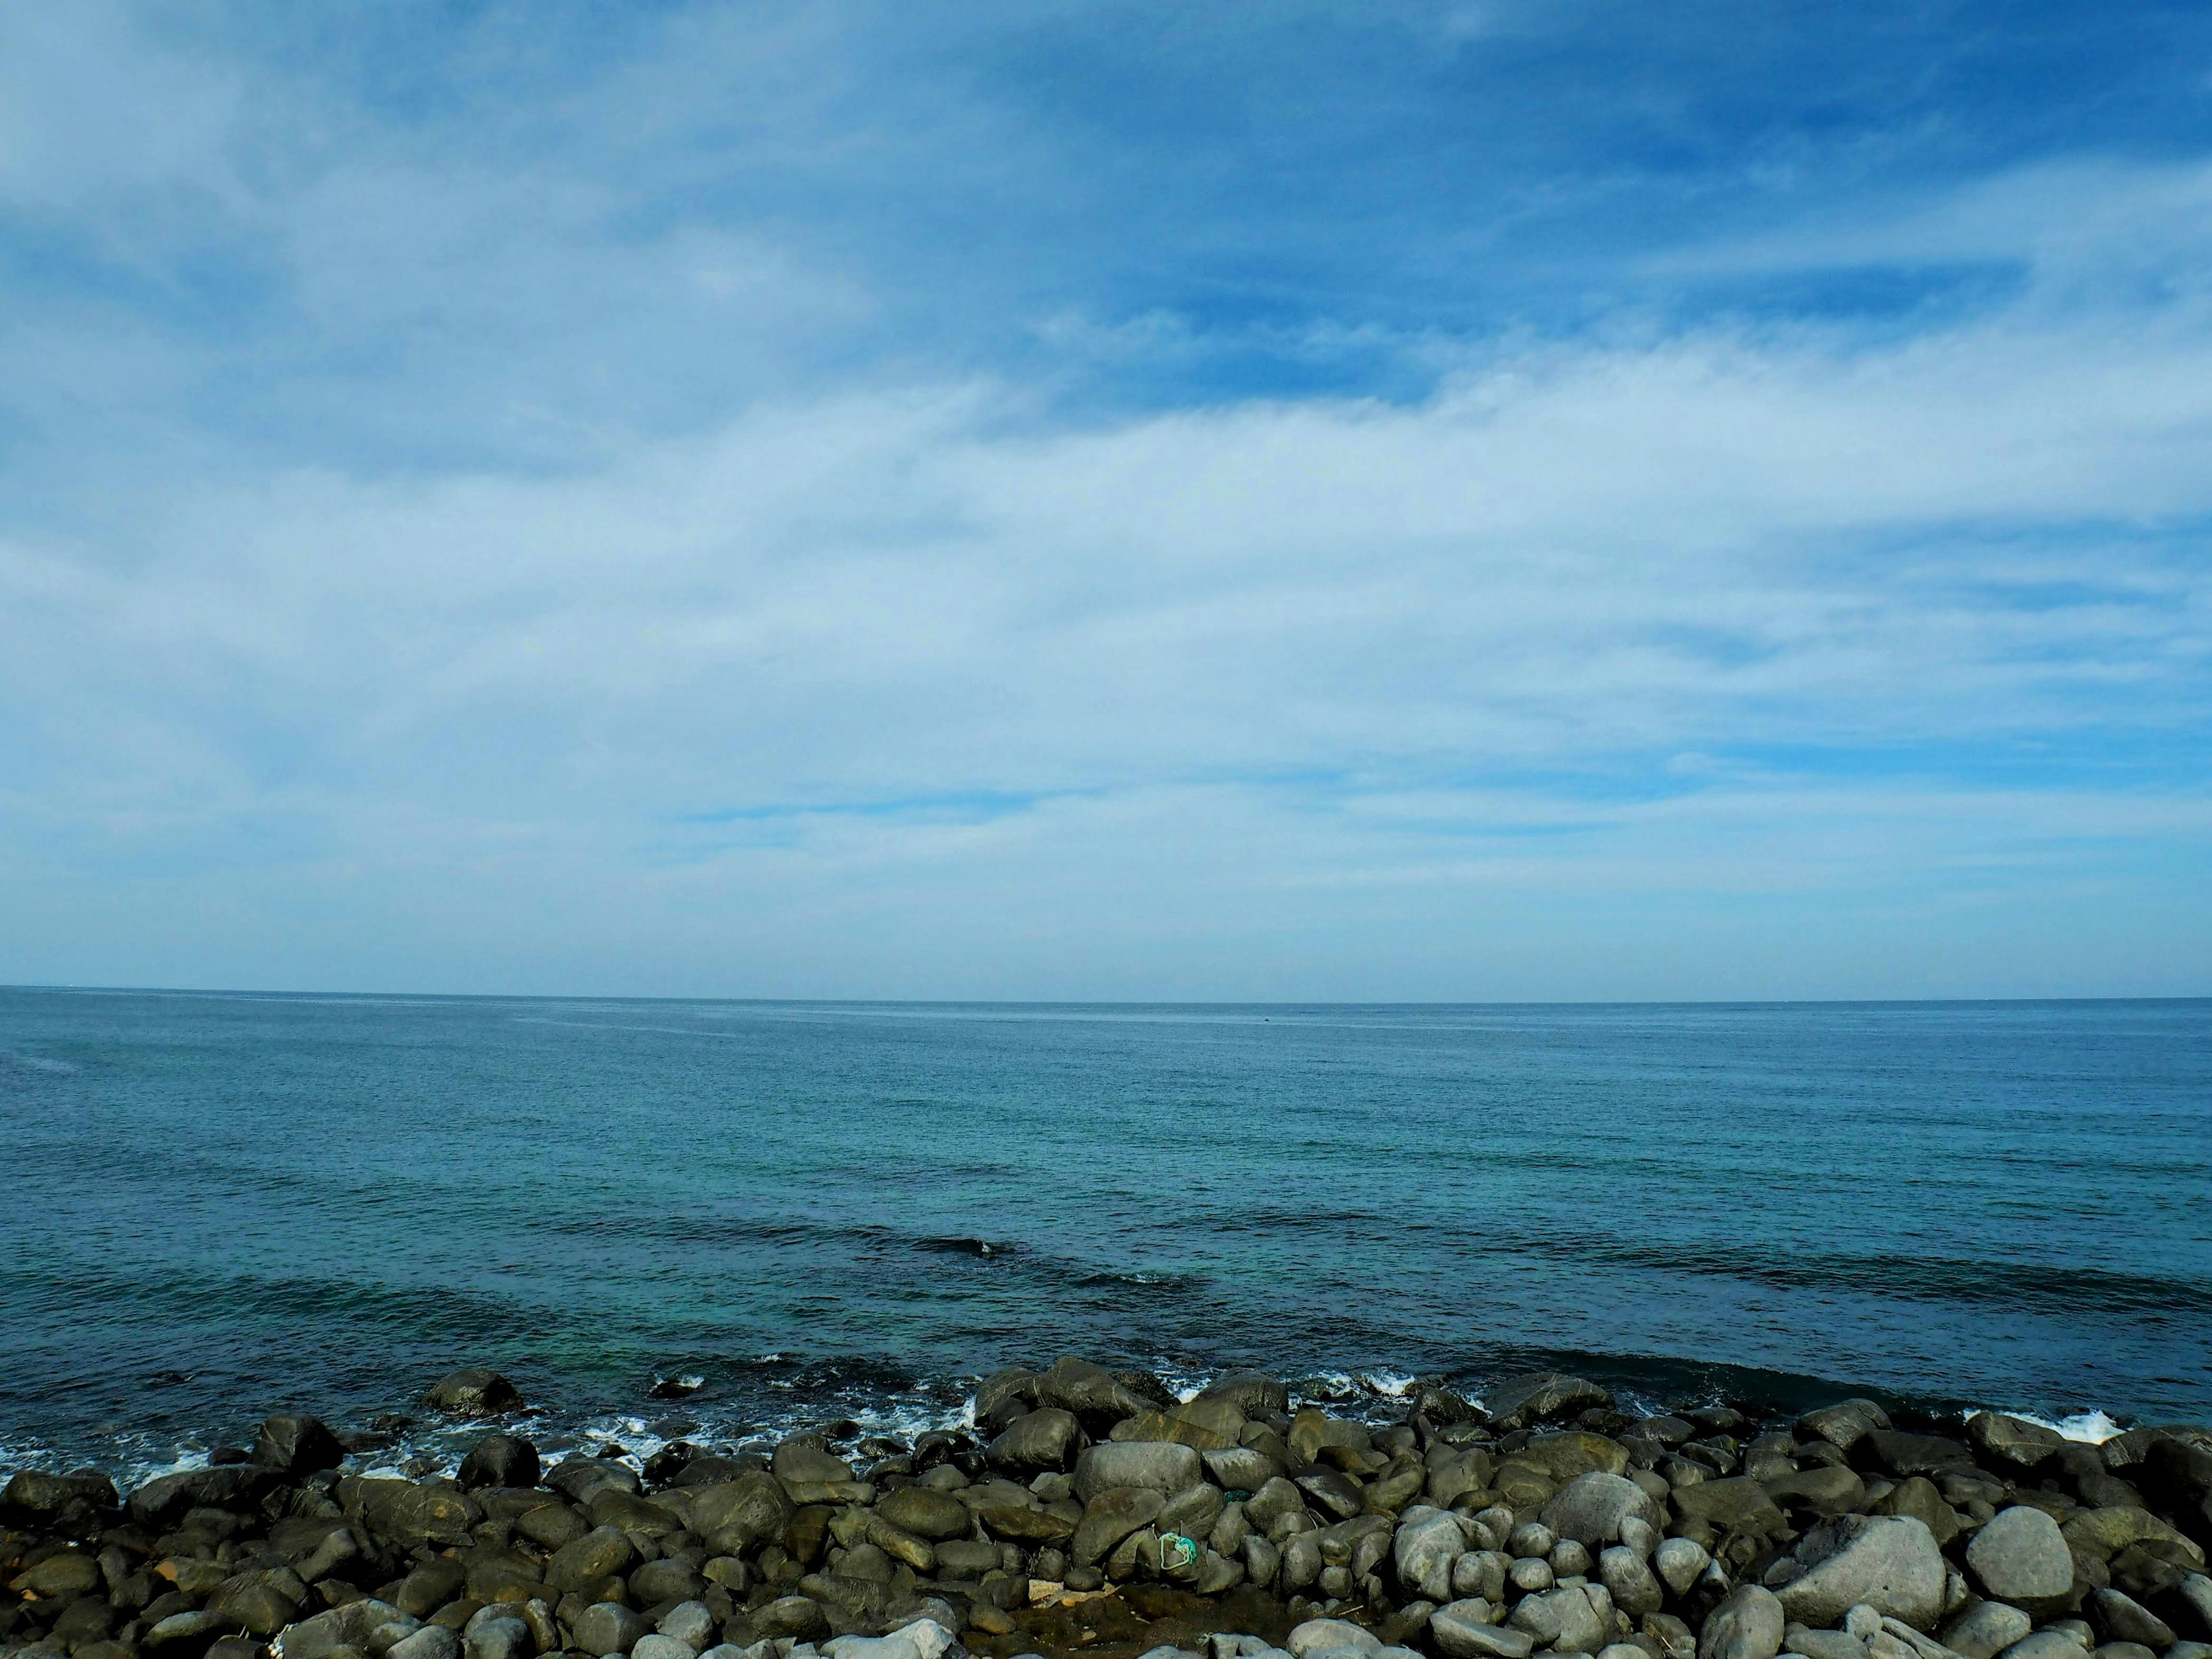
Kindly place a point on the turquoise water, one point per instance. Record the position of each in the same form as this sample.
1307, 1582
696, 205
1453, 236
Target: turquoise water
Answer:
222, 1204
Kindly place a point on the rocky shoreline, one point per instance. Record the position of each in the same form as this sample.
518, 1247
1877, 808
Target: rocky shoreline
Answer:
1092, 1510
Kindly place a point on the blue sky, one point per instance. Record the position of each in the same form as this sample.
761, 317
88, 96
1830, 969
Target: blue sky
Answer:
1394, 501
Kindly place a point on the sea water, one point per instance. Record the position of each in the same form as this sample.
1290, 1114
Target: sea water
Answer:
219, 1206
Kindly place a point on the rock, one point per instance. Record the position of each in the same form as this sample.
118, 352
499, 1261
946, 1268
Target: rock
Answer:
1918, 1497
1250, 1392
1736, 1505
297, 1445
498, 1634
1531, 1575
657, 1646
1521, 1400
689, 1623
185, 1633
1747, 1623
1240, 1468
605, 1627
1986, 1629
2122, 1618
1630, 1581
1679, 1561
602, 1552
1321, 1635
1573, 1618
1096, 1397
1161, 1466
734, 1517
1464, 1630
409, 1514
926, 1513
262, 1602
1041, 1441
1888, 1562
473, 1393
366, 1627
2020, 1557
871, 1647
1900, 1455
35, 1496
1591, 1508
161, 1502
1823, 1644
431, 1642
1843, 1425
2053, 1643
1823, 1489
801, 1461
1204, 1425
794, 1616
1110, 1516
671, 1578
57, 1576
585, 1479
1428, 1542
2195, 1589
500, 1460
2012, 1441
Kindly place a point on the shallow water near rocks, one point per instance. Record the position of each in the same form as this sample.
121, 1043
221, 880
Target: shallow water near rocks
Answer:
225, 1205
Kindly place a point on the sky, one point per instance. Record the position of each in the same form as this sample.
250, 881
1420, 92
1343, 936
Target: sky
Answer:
1383, 501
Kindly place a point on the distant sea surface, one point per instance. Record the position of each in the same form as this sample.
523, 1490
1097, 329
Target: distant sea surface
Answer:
219, 1206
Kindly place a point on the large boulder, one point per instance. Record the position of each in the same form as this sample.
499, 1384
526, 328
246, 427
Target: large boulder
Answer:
500, 1460
2012, 1442
367, 1626
1591, 1508
1747, 1623
1036, 1443
1889, 1562
1428, 1542
1573, 1618
1844, 1423
473, 1392
2020, 1558
1519, 1402
736, 1514
164, 1500
1986, 1629
1738, 1504
927, 1513
411, 1515
295, 1445
1164, 1466
1249, 1391
1110, 1516
1098, 1398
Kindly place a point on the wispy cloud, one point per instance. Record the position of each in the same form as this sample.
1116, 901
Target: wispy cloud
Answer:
549, 517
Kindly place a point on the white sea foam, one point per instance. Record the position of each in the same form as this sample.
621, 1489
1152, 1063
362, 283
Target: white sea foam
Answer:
2092, 1427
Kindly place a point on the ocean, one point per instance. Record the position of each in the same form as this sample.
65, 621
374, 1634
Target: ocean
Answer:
224, 1204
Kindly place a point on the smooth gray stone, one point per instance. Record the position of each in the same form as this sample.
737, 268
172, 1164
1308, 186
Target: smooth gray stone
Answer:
2121, 1618
1888, 1561
1747, 1623
604, 1627
1635, 1588
1463, 1630
2045, 1645
2020, 1558
1823, 1644
431, 1642
690, 1623
1591, 1508
1573, 1618
1424, 1551
1986, 1630
1679, 1561
657, 1646
1316, 1635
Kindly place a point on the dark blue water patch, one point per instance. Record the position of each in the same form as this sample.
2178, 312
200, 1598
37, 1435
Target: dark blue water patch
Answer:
222, 1206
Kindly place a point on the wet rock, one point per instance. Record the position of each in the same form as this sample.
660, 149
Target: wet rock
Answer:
737, 1516
1888, 1562
2012, 1442
160, 1503
802, 1461
1591, 1508
1039, 1440
497, 1632
1250, 1392
59, 1576
1843, 1425
603, 1552
1738, 1504
1747, 1623
1918, 1497
1824, 1490
297, 1445
2021, 1558
500, 1460
1095, 1396
37, 1497
473, 1392
1164, 1466
1985, 1630
367, 1626
261, 1603
1899, 1454
926, 1513
184, 1634
409, 1514
582, 1479
1520, 1401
